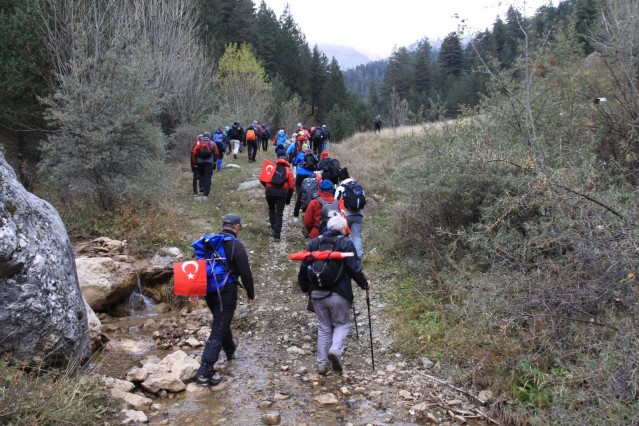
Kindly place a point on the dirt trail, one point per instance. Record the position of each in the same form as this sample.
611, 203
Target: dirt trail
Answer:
275, 370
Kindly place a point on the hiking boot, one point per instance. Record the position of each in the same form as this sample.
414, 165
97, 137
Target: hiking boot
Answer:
235, 156
335, 360
296, 219
205, 380
322, 369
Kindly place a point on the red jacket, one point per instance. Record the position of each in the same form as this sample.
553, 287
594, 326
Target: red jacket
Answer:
313, 214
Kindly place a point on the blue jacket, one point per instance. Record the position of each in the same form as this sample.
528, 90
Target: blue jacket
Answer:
298, 161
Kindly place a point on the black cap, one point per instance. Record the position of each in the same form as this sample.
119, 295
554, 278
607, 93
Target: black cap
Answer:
232, 219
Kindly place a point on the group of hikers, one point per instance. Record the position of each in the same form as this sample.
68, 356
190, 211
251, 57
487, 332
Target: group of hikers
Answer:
332, 203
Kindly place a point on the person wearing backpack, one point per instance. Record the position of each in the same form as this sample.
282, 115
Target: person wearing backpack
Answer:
319, 210
206, 155
252, 134
235, 135
328, 284
351, 193
280, 143
330, 167
220, 141
232, 263
377, 122
278, 193
304, 170
317, 139
266, 135
194, 169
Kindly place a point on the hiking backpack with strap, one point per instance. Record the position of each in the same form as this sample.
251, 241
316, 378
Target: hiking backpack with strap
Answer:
281, 138
330, 169
218, 138
310, 161
250, 134
318, 135
326, 273
329, 210
279, 175
309, 191
211, 248
354, 196
205, 149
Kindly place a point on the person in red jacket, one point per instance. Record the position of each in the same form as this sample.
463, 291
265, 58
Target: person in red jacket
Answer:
313, 214
277, 196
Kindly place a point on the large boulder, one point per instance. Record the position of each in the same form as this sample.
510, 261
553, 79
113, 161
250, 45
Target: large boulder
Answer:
104, 281
43, 317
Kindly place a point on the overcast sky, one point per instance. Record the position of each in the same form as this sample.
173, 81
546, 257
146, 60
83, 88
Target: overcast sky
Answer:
374, 27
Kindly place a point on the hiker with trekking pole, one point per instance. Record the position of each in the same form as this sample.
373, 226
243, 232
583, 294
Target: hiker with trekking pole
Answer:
325, 274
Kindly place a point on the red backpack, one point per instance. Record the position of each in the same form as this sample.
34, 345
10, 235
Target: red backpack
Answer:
205, 150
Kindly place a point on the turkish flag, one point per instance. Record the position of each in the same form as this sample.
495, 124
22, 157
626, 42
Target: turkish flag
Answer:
189, 278
268, 168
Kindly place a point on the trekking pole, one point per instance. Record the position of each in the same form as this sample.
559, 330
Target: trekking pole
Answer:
355, 321
370, 327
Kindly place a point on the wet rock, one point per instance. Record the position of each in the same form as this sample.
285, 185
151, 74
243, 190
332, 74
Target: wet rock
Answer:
137, 375
181, 365
95, 328
104, 282
281, 397
265, 404
195, 388
271, 418
326, 399
294, 350
193, 342
156, 382
345, 391
136, 402
134, 416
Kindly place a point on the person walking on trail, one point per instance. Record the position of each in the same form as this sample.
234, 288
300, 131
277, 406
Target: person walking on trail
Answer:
194, 169
354, 215
304, 170
378, 123
313, 215
332, 297
279, 142
235, 135
266, 135
206, 155
317, 139
252, 135
222, 303
228, 140
279, 194
221, 142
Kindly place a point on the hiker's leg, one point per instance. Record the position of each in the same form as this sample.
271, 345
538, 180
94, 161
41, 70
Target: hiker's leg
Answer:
298, 190
206, 176
280, 202
221, 328
219, 164
355, 224
196, 174
270, 200
340, 310
236, 146
324, 330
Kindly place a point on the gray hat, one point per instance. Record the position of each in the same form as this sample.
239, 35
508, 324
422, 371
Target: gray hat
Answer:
232, 219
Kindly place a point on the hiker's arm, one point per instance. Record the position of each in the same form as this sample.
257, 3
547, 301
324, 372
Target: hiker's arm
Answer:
244, 270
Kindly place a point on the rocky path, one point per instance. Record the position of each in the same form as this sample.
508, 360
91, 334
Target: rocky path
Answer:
273, 380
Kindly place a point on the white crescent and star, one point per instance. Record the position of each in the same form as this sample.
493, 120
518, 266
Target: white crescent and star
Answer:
269, 169
190, 275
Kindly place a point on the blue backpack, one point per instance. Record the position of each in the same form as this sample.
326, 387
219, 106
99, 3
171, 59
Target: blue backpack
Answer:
211, 248
281, 138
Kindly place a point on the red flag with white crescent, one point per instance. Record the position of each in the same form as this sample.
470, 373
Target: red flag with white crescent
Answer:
268, 168
189, 278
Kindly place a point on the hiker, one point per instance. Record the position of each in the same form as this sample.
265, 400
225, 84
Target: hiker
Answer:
327, 136
194, 169
317, 139
315, 217
305, 169
252, 135
222, 303
235, 135
266, 135
221, 142
352, 197
206, 155
228, 140
332, 301
279, 193
280, 143
329, 167
378, 123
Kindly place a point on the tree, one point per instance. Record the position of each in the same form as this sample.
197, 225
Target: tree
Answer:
422, 70
451, 55
319, 75
244, 93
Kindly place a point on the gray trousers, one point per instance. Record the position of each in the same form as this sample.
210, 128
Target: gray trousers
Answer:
333, 324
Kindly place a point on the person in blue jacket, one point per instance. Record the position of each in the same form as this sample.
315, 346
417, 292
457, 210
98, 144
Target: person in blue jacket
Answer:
303, 172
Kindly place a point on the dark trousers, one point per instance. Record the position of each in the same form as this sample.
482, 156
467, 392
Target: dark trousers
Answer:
221, 337
275, 212
298, 189
196, 178
205, 172
252, 149
318, 146
264, 144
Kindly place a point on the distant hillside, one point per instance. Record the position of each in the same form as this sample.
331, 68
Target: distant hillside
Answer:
347, 57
